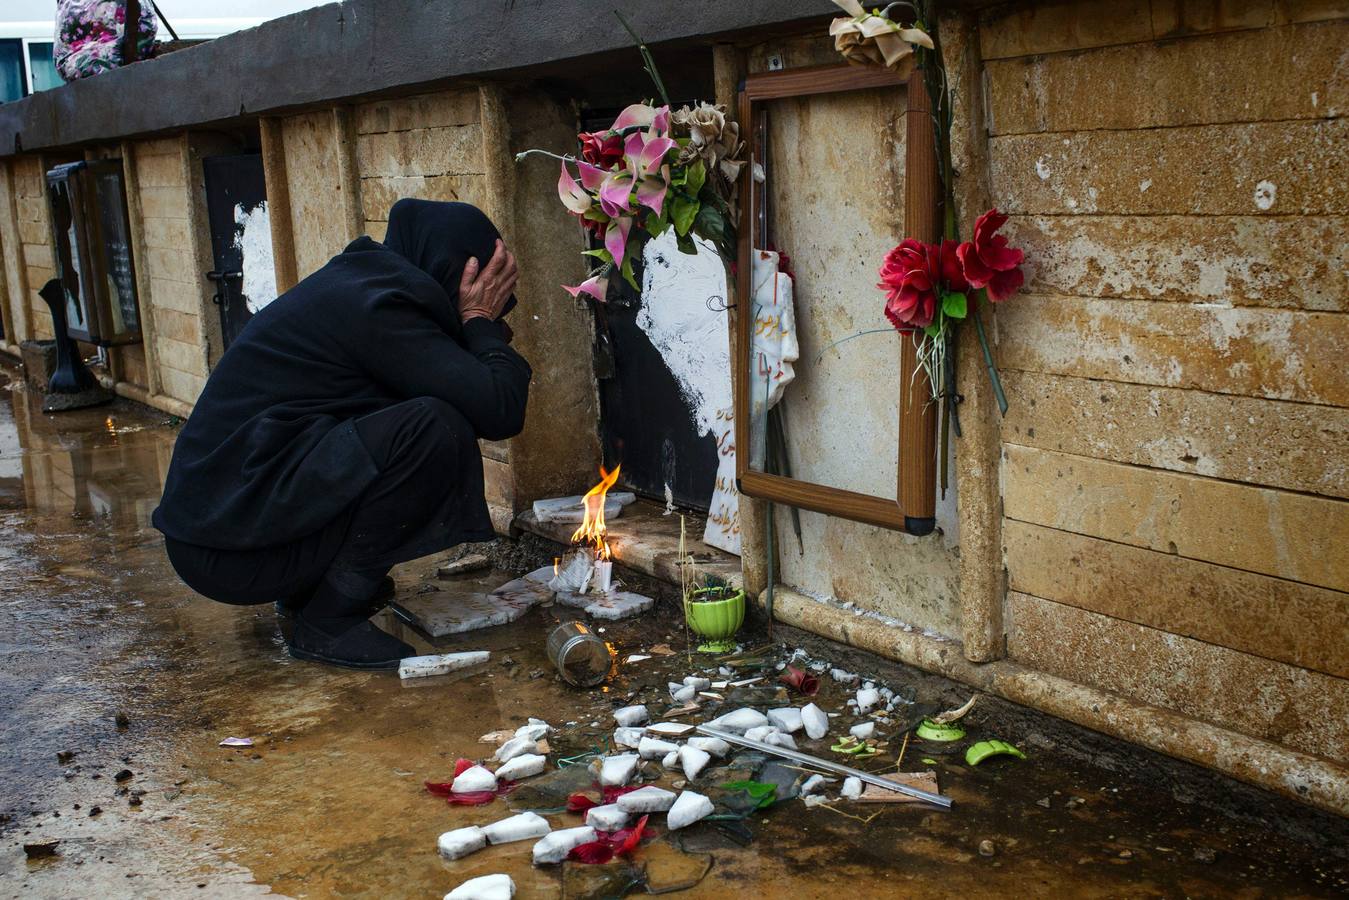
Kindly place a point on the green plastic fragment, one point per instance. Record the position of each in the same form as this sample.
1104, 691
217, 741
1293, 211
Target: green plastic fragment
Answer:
929, 761
981, 751
929, 730
763, 794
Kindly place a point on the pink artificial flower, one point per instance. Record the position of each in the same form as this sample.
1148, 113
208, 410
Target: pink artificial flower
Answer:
616, 193
988, 261
572, 194
616, 238
595, 286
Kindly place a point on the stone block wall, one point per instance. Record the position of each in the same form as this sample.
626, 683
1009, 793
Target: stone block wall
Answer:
169, 267
1175, 462
33, 247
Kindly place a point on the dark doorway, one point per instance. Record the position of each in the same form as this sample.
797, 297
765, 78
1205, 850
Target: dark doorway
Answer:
236, 193
645, 422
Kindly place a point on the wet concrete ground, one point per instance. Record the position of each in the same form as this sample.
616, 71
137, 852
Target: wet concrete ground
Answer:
107, 657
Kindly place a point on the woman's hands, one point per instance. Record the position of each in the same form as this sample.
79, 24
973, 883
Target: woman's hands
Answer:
483, 294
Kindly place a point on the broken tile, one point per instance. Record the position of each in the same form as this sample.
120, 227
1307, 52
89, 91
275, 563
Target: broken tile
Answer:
669, 729
484, 887
440, 663
522, 766
470, 562
619, 605
693, 761
555, 846
654, 748
688, 808
628, 737
926, 781
610, 817
786, 720
616, 771
461, 842
647, 799
632, 715
517, 746
448, 612
516, 828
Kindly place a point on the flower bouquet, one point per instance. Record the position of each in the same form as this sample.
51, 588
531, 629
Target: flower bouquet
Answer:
932, 287
652, 170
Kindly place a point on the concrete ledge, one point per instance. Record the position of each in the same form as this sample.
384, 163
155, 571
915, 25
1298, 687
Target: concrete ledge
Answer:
647, 540
1302, 777
141, 395
362, 47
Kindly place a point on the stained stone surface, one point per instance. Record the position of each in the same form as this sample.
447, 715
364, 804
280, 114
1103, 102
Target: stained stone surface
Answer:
467, 603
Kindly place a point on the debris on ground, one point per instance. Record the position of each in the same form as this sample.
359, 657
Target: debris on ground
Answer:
982, 750
955, 715
441, 663
236, 742
469, 562
41, 849
484, 887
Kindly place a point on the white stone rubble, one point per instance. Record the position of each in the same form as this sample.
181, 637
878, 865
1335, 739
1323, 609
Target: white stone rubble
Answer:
616, 771
516, 828
815, 721
610, 817
522, 766
555, 846
688, 808
461, 842
484, 887
647, 799
474, 778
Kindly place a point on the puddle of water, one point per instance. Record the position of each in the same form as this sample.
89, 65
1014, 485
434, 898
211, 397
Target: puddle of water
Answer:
329, 802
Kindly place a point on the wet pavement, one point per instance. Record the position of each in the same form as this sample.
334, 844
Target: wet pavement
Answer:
112, 663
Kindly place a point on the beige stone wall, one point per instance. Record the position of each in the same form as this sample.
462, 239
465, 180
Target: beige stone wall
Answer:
429, 146
170, 268
314, 176
33, 228
1175, 463
11, 249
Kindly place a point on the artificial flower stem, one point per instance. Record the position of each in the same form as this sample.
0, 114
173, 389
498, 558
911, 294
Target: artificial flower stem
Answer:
988, 360
520, 157
646, 58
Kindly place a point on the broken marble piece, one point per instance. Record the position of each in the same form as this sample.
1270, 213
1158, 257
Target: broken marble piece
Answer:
469, 562
461, 842
484, 887
618, 605
693, 761
852, 787
522, 766
554, 848
811, 785
448, 612
236, 742
868, 698
863, 731
715, 746
815, 721
670, 760
780, 739
571, 510
535, 729
787, 720
759, 732
682, 693
616, 771
698, 683
610, 817
740, 720
516, 828
647, 799
474, 778
517, 746
629, 716
574, 574
655, 748
669, 729
629, 737
688, 808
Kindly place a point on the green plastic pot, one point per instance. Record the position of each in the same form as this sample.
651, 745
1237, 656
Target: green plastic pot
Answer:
715, 620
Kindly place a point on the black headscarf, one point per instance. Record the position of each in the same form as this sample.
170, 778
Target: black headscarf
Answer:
439, 238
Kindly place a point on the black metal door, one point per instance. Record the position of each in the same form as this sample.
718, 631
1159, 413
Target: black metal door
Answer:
235, 191
645, 422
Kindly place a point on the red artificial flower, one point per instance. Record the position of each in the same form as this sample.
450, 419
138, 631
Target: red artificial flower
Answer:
803, 682
988, 261
910, 276
601, 148
608, 845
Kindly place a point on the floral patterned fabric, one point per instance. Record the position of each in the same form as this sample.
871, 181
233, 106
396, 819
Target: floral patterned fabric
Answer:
89, 36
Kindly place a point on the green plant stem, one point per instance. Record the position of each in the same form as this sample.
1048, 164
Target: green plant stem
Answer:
845, 340
646, 58
988, 360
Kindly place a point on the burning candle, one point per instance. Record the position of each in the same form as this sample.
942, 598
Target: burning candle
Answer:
604, 575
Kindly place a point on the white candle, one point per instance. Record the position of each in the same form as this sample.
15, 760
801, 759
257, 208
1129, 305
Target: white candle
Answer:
604, 575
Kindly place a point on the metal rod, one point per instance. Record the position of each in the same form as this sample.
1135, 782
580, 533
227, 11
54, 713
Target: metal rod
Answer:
836, 768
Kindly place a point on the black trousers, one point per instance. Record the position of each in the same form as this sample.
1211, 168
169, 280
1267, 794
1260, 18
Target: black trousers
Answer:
427, 497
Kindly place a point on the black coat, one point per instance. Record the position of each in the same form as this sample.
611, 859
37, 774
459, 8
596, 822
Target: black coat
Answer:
270, 453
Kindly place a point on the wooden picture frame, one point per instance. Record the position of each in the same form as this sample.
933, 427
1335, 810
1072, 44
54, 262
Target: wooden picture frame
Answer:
912, 510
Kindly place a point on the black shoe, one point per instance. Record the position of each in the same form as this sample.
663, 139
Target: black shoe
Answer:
352, 643
290, 607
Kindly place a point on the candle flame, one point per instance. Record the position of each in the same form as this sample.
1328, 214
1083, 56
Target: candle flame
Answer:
593, 529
